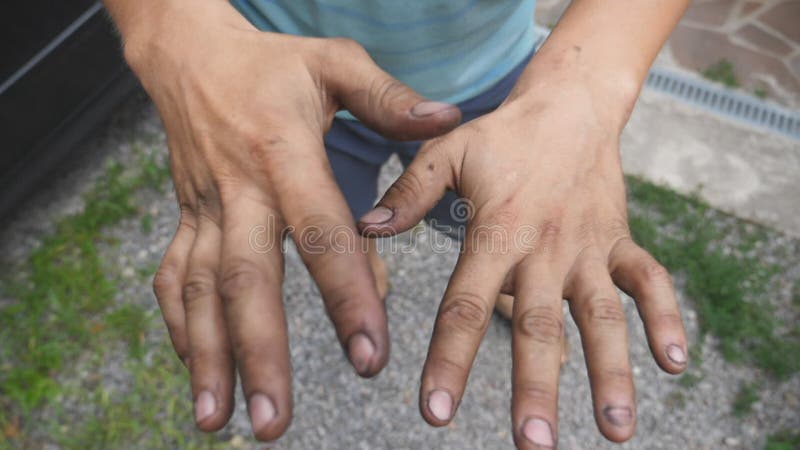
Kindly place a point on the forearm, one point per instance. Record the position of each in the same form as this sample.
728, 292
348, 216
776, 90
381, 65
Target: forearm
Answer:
145, 24
134, 17
606, 45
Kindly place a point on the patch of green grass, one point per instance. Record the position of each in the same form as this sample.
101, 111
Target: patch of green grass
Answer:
147, 271
153, 173
146, 223
129, 323
60, 288
784, 440
722, 72
65, 319
760, 92
727, 288
747, 395
675, 400
152, 411
689, 380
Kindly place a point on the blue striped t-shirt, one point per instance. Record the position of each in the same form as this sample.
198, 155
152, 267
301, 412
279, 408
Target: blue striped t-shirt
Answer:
447, 50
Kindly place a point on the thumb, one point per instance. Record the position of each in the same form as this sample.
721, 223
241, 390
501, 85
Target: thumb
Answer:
414, 193
383, 103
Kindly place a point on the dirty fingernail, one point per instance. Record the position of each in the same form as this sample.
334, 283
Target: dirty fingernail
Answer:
204, 406
262, 411
440, 404
377, 215
538, 431
676, 354
618, 416
361, 350
425, 109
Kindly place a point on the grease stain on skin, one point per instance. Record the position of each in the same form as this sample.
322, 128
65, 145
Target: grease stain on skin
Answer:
618, 416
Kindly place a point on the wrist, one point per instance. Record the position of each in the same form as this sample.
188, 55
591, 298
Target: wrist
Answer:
562, 74
151, 28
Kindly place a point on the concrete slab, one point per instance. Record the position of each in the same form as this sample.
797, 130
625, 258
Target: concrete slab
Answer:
739, 169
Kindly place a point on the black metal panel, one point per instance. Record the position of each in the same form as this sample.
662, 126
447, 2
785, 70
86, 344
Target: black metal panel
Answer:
57, 102
26, 26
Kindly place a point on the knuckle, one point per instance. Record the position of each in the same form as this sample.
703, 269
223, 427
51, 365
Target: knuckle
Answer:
265, 148
536, 391
188, 220
165, 280
616, 229
619, 374
651, 272
347, 45
605, 310
541, 324
464, 313
320, 237
340, 300
230, 189
387, 92
544, 238
238, 277
550, 230
549, 234
438, 146
507, 217
447, 365
585, 233
492, 233
669, 320
188, 225
408, 186
198, 286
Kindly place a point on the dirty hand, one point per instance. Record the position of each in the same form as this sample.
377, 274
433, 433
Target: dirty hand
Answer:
542, 176
245, 112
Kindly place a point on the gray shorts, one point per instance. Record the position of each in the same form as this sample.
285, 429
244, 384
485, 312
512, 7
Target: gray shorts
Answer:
357, 153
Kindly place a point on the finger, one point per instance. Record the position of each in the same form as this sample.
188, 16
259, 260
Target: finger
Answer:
168, 282
460, 325
595, 305
326, 239
415, 192
211, 365
638, 274
536, 343
381, 102
250, 284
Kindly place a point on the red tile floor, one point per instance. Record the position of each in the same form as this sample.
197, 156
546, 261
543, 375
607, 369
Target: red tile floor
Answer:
760, 39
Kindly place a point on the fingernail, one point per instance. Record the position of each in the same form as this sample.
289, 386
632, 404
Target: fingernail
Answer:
538, 431
425, 109
676, 354
204, 406
440, 404
361, 349
262, 411
377, 216
618, 416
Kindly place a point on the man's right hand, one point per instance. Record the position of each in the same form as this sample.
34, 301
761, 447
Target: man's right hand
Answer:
245, 112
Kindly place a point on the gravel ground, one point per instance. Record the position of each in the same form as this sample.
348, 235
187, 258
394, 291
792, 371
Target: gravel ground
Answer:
334, 409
